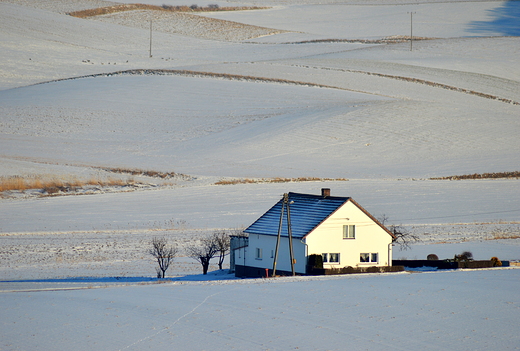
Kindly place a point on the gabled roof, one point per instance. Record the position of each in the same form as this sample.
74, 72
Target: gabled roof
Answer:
307, 212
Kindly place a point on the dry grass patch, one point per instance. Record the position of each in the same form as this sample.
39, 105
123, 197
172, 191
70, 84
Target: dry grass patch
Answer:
53, 184
147, 173
505, 233
45, 185
387, 40
276, 180
495, 175
202, 74
183, 8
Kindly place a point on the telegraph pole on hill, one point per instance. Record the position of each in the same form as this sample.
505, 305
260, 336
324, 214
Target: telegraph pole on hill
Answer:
411, 29
150, 38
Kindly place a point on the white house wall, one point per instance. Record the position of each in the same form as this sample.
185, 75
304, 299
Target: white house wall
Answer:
267, 243
370, 238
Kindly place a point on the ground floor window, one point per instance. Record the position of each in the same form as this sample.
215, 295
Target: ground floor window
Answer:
330, 257
334, 257
258, 253
369, 257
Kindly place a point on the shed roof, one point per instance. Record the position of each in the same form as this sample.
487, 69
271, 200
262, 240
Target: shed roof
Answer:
307, 212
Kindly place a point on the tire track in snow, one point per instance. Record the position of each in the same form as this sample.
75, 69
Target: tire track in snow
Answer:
177, 320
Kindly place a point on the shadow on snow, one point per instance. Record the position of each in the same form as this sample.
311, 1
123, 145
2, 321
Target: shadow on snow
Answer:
506, 20
215, 275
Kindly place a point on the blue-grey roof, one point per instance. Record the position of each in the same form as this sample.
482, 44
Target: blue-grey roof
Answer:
307, 212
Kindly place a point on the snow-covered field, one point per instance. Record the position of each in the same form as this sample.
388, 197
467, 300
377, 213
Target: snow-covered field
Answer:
303, 89
472, 310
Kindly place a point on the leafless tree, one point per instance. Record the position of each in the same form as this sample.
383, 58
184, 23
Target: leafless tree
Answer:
163, 253
222, 241
402, 236
203, 252
464, 257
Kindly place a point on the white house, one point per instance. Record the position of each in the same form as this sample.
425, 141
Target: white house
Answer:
337, 228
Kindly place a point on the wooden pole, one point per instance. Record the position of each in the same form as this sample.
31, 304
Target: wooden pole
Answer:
289, 231
411, 30
150, 38
278, 238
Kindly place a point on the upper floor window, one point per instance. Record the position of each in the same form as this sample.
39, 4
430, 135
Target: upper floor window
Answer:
349, 231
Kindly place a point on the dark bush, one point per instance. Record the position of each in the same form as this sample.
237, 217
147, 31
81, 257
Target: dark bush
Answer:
332, 271
392, 268
315, 261
350, 270
476, 264
432, 257
357, 270
373, 269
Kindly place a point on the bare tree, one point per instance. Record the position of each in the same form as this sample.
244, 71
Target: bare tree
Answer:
222, 241
163, 253
203, 252
464, 257
402, 236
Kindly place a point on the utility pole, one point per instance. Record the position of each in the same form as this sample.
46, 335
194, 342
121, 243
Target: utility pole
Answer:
150, 38
411, 29
289, 232
278, 239
285, 206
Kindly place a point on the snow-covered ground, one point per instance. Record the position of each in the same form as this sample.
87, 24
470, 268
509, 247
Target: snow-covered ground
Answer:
470, 310
222, 99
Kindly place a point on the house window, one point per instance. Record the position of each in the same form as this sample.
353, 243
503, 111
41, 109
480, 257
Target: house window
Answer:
272, 253
330, 257
349, 231
258, 253
369, 257
334, 258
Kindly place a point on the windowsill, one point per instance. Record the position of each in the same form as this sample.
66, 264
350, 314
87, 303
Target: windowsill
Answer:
349, 238
367, 263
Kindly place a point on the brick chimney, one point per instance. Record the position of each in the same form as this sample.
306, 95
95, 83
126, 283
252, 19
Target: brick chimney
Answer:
325, 192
